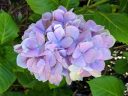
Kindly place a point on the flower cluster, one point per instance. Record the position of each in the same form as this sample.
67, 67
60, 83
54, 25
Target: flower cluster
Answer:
62, 44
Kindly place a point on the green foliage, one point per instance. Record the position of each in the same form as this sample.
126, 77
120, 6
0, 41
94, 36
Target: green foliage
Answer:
123, 5
8, 29
41, 6
106, 86
26, 79
125, 54
34, 17
69, 3
9, 56
6, 78
12, 94
107, 8
7, 64
121, 66
116, 23
62, 91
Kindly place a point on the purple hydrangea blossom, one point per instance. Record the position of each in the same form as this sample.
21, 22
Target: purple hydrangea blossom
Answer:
62, 44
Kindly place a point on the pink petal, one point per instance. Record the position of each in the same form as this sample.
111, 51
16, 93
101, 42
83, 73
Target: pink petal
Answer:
90, 56
51, 37
106, 53
85, 36
31, 65
69, 16
84, 46
63, 52
18, 48
71, 49
98, 65
66, 42
79, 61
84, 73
59, 33
108, 40
98, 41
76, 53
29, 43
58, 15
51, 59
63, 8
21, 61
90, 24
40, 65
40, 38
72, 31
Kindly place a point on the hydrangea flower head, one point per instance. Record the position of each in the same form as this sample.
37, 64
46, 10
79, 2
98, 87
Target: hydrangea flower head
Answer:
62, 44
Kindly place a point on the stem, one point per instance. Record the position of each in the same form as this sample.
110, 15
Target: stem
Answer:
120, 47
88, 3
98, 3
74, 94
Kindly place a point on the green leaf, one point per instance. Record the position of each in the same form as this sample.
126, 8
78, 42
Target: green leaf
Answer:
65, 91
8, 57
106, 86
12, 94
125, 54
40, 89
123, 5
34, 17
6, 78
121, 66
116, 23
7, 64
44, 92
8, 28
26, 79
70, 3
41, 6
105, 8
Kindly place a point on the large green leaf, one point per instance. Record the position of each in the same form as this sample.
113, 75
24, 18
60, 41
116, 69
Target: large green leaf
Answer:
41, 6
8, 28
8, 57
7, 64
121, 66
116, 23
107, 8
6, 78
26, 79
40, 89
70, 3
106, 86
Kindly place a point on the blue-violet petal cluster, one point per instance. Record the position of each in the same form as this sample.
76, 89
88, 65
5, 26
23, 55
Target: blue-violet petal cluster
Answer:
62, 44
